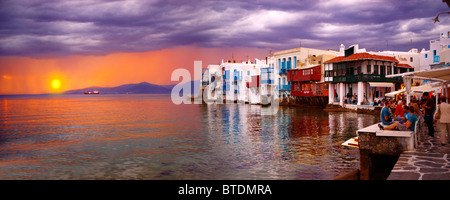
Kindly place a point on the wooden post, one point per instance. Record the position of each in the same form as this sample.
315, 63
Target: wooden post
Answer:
446, 89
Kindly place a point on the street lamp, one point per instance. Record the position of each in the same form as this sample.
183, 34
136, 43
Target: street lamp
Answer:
436, 19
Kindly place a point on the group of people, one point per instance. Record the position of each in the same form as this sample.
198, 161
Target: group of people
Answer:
406, 116
351, 99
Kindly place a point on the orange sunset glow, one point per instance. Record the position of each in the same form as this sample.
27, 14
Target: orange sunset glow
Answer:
25, 75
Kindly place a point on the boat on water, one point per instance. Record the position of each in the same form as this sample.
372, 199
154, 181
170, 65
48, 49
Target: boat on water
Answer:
92, 92
352, 142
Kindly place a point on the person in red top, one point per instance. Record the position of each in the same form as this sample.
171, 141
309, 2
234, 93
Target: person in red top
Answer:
399, 113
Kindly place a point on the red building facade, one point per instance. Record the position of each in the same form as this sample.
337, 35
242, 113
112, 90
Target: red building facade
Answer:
304, 82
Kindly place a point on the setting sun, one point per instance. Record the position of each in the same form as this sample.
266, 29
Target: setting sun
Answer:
56, 84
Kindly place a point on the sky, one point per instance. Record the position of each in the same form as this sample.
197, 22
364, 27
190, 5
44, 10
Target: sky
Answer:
108, 43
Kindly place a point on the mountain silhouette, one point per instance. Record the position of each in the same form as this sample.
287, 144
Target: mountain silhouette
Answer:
138, 88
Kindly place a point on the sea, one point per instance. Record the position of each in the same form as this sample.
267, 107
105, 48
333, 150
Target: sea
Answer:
147, 136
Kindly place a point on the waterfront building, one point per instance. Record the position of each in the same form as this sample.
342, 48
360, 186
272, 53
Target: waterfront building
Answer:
211, 84
304, 81
253, 80
359, 77
268, 76
232, 82
297, 58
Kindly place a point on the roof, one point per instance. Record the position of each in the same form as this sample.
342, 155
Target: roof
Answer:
362, 56
403, 65
304, 49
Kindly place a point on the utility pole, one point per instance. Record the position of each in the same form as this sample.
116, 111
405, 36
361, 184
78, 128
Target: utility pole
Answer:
411, 44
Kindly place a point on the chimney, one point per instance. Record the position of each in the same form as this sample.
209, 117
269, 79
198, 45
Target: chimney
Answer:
341, 49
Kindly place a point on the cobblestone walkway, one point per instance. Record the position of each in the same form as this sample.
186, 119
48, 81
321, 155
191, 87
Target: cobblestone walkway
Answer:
430, 161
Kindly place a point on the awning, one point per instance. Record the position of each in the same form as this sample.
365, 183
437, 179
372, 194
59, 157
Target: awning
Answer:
417, 90
425, 88
392, 94
440, 74
381, 84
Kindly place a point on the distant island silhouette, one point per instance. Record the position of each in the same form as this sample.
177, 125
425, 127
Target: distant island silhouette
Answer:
134, 88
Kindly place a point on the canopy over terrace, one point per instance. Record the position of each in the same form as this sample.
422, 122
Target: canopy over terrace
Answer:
417, 90
440, 75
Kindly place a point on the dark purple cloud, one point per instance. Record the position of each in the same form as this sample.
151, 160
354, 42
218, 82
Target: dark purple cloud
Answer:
60, 28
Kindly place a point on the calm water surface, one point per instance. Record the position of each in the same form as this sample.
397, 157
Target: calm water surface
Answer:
148, 137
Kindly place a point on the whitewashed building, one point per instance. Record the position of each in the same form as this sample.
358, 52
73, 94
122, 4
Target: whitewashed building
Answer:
211, 84
268, 86
438, 54
233, 82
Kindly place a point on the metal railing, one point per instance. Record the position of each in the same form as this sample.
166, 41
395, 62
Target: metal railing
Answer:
284, 87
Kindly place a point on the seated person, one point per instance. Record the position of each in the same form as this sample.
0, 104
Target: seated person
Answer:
408, 126
407, 114
399, 110
386, 119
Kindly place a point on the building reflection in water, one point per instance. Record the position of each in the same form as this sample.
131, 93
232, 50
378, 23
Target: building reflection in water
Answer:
301, 142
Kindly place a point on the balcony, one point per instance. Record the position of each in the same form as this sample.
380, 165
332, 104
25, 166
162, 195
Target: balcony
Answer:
436, 59
284, 87
267, 81
364, 78
282, 71
266, 70
255, 81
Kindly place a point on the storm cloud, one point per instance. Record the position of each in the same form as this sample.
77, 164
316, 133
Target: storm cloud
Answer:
63, 28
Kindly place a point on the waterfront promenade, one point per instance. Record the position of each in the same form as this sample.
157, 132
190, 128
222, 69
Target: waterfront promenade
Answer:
429, 161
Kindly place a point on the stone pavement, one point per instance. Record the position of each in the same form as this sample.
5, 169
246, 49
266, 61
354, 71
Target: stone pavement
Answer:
429, 161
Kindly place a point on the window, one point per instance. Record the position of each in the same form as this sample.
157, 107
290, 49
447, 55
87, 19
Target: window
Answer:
426, 55
289, 62
369, 69
410, 59
295, 61
434, 52
375, 69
